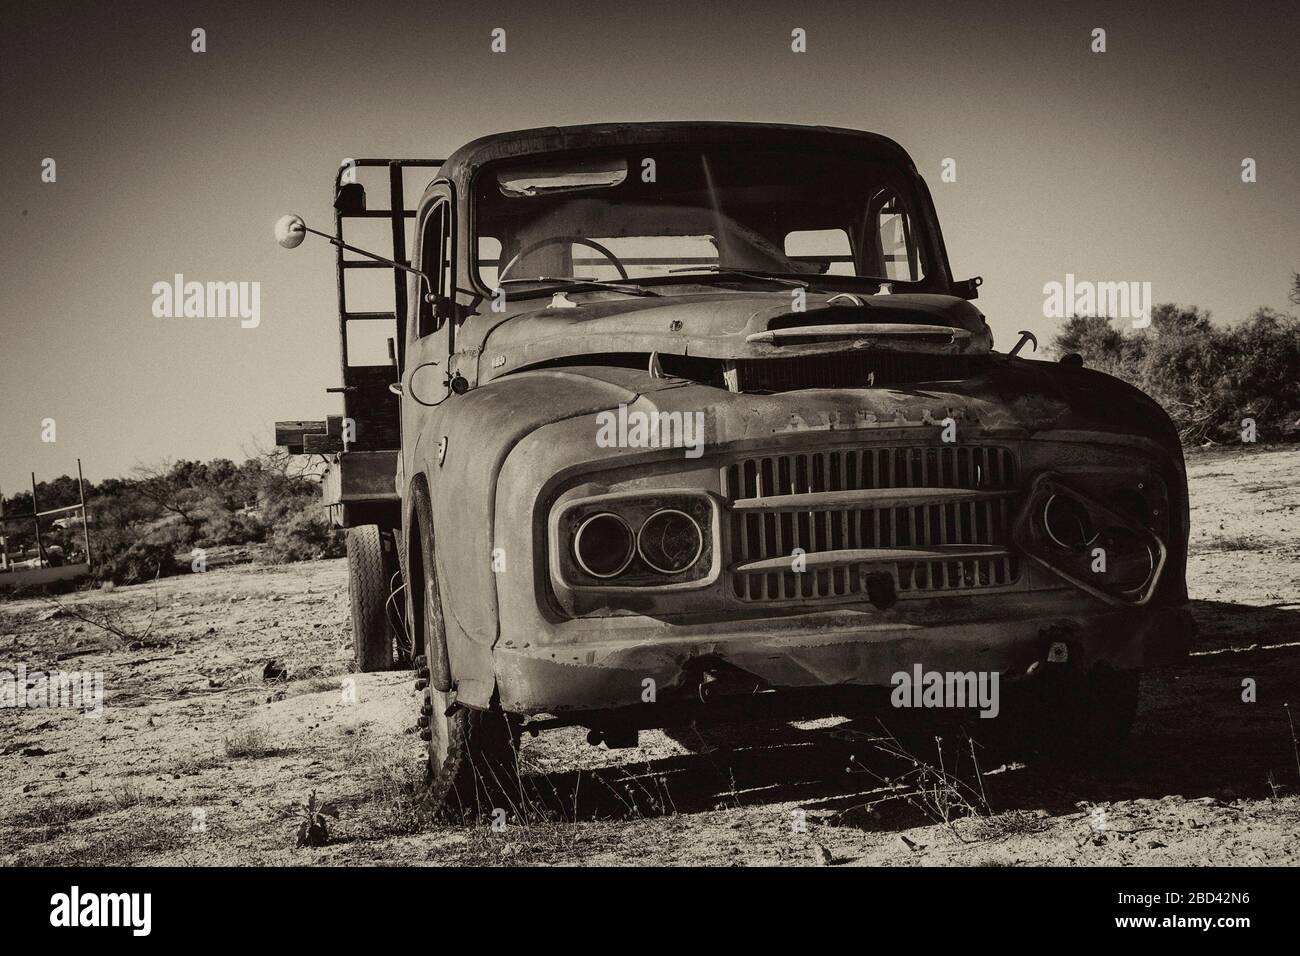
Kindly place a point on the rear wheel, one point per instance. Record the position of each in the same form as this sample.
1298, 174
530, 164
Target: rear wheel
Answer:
372, 565
471, 753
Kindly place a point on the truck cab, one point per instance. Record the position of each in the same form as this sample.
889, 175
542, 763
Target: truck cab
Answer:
691, 421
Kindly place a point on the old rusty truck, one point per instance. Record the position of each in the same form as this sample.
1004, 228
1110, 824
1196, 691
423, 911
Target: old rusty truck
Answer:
669, 422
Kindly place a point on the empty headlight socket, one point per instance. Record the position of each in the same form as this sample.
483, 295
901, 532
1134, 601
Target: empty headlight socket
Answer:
1040, 546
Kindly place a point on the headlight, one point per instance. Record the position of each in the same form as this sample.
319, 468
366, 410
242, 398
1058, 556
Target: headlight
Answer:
1129, 558
1066, 522
635, 540
1086, 541
603, 545
670, 541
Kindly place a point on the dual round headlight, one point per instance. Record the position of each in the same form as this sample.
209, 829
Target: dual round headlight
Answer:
668, 542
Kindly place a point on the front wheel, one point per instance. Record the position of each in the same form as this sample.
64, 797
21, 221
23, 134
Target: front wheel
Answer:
472, 763
473, 769
1087, 718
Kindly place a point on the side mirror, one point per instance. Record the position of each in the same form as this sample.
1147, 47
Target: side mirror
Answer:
968, 288
290, 231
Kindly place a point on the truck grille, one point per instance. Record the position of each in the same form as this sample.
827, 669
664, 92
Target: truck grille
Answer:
935, 518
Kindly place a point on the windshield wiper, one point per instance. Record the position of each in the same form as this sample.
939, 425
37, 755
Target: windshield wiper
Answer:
721, 270
575, 284
819, 281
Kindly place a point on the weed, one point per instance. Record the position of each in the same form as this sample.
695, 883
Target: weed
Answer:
251, 741
313, 827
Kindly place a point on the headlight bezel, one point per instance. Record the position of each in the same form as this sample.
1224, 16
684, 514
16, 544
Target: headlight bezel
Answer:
646, 559
1074, 563
635, 508
576, 545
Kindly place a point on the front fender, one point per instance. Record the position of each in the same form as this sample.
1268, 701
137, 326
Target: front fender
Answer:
477, 432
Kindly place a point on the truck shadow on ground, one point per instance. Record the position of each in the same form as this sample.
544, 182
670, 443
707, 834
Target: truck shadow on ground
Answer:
1195, 737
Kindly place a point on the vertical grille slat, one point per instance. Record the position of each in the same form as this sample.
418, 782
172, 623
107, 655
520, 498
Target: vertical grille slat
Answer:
757, 535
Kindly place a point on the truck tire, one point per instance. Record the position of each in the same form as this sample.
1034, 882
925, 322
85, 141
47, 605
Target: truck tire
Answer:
472, 754
372, 562
1086, 718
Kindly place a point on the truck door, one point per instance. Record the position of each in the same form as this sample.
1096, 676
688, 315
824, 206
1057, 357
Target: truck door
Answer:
430, 337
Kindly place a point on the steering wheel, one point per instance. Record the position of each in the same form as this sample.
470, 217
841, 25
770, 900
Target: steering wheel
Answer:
559, 240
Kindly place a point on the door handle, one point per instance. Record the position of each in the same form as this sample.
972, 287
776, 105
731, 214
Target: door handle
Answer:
395, 388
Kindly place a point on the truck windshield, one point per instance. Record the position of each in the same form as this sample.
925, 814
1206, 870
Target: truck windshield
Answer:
681, 211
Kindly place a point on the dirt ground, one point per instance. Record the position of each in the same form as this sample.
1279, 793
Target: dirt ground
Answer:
232, 701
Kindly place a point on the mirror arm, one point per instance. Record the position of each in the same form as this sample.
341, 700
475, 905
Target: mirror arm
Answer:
362, 252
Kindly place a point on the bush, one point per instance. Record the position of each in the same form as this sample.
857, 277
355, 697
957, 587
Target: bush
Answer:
306, 535
141, 561
223, 527
1207, 378
138, 525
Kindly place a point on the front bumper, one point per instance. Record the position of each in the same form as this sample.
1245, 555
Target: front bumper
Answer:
833, 649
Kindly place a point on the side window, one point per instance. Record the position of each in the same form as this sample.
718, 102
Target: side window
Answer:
489, 260
896, 248
435, 261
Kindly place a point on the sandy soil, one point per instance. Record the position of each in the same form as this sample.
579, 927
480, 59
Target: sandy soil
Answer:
231, 702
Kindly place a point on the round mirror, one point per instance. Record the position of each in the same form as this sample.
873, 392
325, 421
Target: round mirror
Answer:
290, 231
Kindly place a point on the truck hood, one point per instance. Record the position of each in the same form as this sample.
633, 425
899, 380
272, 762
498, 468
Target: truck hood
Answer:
1012, 397
706, 322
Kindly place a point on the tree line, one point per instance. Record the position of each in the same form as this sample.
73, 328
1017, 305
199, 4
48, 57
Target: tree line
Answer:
1209, 378
149, 523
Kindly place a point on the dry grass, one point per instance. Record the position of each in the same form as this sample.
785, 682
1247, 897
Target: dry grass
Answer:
539, 823
149, 832
250, 741
57, 814
1013, 823
397, 788
1234, 542
26, 833
943, 794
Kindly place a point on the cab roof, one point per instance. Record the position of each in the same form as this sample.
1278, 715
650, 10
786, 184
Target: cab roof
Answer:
464, 162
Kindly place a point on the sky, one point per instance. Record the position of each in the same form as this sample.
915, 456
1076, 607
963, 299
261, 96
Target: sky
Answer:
1115, 166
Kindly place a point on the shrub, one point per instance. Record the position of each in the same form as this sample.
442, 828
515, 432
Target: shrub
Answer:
305, 535
1208, 378
139, 524
224, 527
141, 561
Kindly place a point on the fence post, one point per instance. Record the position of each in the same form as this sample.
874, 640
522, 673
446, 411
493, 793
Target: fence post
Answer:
4, 539
85, 518
36, 511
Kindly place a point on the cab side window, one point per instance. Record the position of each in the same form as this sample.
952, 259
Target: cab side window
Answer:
896, 250
435, 261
